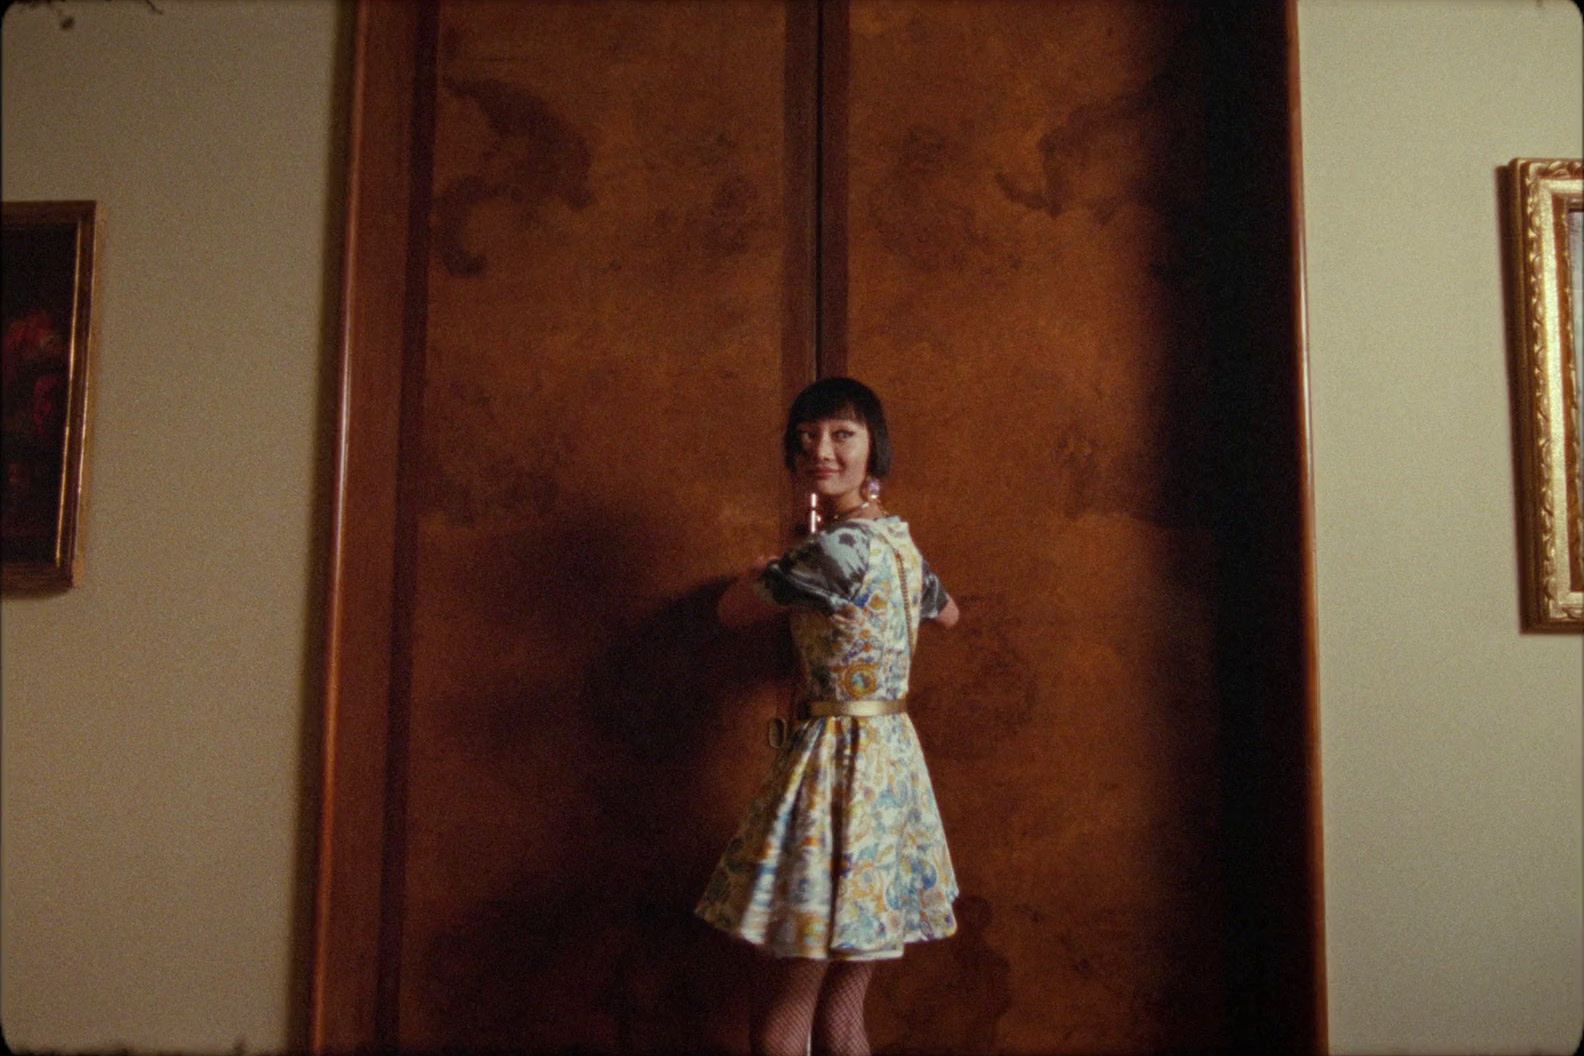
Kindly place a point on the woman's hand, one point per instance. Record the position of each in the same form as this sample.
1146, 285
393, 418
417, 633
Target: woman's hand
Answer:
741, 605
948, 615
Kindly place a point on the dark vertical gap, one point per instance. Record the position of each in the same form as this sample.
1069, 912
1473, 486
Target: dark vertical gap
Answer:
800, 269
800, 176
415, 325
830, 195
1264, 630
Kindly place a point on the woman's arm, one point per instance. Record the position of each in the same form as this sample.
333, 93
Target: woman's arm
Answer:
947, 617
742, 605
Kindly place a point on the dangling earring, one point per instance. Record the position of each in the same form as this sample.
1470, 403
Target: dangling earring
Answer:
871, 489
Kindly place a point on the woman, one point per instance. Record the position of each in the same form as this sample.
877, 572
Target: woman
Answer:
842, 858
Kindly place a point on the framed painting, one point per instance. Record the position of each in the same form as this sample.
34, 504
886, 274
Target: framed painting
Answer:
1547, 201
48, 262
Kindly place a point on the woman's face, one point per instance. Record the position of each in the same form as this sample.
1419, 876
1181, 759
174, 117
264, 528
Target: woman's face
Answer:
833, 459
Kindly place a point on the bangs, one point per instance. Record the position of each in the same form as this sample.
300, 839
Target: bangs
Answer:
840, 398
819, 410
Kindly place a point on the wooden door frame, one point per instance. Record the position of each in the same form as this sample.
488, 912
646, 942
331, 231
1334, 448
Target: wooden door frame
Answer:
1267, 649
382, 317
1276, 982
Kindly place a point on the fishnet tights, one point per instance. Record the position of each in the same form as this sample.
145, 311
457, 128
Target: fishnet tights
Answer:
805, 1006
839, 1019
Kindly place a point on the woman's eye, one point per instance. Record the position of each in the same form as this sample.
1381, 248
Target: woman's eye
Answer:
844, 434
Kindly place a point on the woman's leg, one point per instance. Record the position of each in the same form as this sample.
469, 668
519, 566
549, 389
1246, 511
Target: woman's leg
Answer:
839, 1020
782, 1010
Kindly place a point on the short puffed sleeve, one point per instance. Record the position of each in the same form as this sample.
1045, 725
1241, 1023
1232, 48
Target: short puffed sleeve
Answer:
935, 597
825, 572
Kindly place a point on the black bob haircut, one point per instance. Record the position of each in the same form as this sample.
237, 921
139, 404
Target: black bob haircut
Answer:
840, 398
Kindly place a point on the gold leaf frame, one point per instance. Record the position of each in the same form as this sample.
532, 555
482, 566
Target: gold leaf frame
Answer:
49, 249
1547, 200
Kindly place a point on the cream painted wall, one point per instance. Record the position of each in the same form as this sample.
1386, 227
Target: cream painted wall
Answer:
1452, 744
155, 715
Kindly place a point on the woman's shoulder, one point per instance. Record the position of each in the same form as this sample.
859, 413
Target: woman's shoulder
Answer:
853, 535
844, 538
889, 525
889, 532
862, 531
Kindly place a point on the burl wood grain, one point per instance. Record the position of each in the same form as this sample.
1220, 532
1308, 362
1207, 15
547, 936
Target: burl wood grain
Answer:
603, 391
1027, 290
605, 371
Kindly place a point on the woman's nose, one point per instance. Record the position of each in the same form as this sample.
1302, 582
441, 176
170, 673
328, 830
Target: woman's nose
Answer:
823, 448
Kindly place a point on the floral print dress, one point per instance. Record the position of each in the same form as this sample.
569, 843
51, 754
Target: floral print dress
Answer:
842, 855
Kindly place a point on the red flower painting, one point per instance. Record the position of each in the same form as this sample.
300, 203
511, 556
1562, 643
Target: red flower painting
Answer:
36, 377
47, 263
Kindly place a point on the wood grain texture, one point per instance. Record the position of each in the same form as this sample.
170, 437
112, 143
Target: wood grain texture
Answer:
603, 388
1027, 290
581, 289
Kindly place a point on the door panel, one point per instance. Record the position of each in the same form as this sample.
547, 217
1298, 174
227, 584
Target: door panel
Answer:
1025, 287
602, 384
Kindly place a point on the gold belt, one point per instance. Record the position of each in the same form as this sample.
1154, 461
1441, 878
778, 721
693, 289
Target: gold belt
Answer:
776, 733
861, 709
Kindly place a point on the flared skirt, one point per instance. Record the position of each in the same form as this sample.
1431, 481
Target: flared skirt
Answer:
842, 855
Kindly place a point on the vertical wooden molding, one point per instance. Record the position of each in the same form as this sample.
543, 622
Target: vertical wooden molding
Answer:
1265, 664
361, 577
1315, 829
404, 589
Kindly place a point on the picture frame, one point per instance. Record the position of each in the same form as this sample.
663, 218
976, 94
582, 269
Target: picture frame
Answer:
48, 259
1547, 234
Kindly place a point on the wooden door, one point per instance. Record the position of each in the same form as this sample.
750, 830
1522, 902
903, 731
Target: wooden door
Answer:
1026, 213
595, 248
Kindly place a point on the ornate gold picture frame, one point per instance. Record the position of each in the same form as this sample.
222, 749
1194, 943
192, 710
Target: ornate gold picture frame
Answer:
1547, 200
48, 260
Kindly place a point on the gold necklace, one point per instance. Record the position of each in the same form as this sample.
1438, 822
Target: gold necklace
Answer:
845, 515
